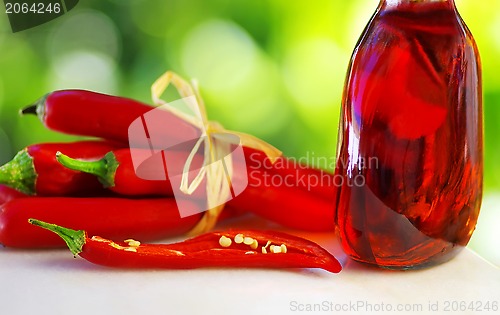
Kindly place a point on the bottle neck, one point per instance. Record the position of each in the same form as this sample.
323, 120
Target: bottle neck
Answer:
397, 3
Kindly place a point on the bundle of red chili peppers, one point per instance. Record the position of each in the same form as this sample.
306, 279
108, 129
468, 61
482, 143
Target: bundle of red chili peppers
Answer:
92, 186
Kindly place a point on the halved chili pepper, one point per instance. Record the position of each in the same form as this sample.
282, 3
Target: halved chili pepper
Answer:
35, 171
288, 206
148, 219
242, 249
87, 113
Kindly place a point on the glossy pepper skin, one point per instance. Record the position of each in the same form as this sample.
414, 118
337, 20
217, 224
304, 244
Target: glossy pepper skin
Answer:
216, 249
289, 206
87, 113
35, 171
148, 219
7, 194
308, 178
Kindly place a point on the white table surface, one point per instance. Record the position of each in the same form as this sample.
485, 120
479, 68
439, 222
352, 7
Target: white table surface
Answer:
53, 282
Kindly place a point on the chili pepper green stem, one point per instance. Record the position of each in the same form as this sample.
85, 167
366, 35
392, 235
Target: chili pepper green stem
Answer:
19, 173
104, 169
74, 239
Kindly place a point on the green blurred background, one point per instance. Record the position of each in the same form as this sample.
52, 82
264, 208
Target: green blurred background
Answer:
272, 68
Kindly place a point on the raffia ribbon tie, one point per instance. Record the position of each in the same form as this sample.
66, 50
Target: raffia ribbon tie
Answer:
215, 173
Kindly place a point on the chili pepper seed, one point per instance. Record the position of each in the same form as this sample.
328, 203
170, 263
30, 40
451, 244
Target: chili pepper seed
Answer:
275, 249
283, 248
225, 241
248, 241
132, 243
264, 249
254, 244
238, 239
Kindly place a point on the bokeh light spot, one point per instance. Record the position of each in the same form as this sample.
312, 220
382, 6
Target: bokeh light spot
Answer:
85, 29
254, 106
219, 53
84, 70
239, 81
314, 72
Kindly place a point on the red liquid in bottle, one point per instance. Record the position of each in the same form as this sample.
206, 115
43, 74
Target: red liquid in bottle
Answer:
410, 140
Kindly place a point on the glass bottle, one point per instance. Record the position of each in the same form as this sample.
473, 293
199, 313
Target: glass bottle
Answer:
410, 137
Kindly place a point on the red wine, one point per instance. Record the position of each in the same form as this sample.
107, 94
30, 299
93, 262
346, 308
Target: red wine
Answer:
410, 138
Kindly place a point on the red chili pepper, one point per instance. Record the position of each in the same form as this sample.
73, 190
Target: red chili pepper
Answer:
87, 113
116, 172
148, 219
246, 248
292, 172
34, 170
289, 206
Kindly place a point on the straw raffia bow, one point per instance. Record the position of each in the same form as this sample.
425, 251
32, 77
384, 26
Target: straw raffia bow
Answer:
215, 173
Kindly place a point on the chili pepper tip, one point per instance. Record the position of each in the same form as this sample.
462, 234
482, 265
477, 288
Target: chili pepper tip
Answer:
31, 109
37, 108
